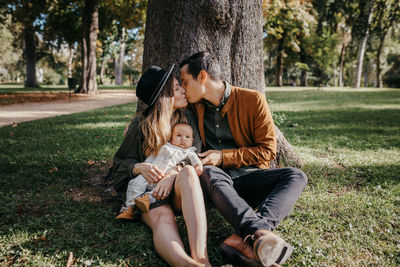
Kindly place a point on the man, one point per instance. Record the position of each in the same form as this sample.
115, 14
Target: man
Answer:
238, 135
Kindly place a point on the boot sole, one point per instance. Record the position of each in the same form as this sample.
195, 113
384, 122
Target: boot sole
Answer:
286, 251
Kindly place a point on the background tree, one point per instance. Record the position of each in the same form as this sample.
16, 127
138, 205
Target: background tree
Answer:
10, 49
386, 14
127, 20
232, 30
90, 26
26, 13
362, 30
286, 22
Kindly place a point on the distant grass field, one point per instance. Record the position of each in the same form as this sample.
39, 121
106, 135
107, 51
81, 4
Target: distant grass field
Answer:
19, 88
349, 141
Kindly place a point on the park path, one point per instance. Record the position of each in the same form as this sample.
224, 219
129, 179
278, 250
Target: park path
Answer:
16, 113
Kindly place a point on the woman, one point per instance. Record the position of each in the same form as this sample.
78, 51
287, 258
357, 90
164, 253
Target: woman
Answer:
146, 134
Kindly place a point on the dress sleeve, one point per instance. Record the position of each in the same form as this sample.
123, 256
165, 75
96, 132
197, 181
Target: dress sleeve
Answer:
129, 153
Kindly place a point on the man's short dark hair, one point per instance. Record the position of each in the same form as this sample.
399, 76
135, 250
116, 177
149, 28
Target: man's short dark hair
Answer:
203, 61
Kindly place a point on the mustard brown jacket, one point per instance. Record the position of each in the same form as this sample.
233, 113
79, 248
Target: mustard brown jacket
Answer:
252, 127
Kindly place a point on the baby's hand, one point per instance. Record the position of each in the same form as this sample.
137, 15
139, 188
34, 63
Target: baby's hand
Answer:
199, 168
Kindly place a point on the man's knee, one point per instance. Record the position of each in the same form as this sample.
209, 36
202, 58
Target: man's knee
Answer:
212, 175
298, 176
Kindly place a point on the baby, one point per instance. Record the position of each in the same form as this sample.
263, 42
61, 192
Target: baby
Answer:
139, 192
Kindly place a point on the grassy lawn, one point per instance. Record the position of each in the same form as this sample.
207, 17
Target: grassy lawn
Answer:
349, 141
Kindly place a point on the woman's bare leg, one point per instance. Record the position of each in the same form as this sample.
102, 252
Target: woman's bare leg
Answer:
166, 239
188, 197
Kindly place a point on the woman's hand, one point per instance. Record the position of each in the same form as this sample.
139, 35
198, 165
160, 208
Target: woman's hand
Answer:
164, 187
151, 172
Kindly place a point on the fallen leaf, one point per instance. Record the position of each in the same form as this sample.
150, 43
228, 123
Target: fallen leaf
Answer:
53, 170
90, 162
11, 133
41, 238
20, 209
97, 137
70, 261
127, 116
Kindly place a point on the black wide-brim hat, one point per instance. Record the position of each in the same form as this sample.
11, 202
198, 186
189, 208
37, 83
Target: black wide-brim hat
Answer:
151, 83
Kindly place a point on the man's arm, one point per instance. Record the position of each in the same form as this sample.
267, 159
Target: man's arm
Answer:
263, 133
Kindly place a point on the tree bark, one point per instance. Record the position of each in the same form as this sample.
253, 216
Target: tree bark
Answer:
341, 65
379, 80
230, 29
366, 70
279, 64
119, 62
90, 26
30, 57
362, 47
72, 51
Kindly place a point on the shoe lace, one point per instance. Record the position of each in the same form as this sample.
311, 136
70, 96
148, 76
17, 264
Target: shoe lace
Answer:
248, 240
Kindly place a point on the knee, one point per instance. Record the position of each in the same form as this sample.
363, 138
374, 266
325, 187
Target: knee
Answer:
187, 178
162, 215
298, 176
212, 176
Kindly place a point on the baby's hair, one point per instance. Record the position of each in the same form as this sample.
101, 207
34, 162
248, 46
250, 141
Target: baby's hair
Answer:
182, 123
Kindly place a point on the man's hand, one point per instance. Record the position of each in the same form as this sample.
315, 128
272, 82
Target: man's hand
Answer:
199, 168
211, 157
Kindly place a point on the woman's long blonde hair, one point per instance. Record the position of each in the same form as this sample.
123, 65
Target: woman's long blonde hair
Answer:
156, 126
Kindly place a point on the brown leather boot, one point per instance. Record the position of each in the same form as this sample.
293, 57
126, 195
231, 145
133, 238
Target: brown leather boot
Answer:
143, 203
238, 251
127, 214
270, 248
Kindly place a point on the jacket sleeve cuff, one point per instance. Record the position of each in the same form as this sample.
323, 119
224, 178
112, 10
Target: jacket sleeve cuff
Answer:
228, 156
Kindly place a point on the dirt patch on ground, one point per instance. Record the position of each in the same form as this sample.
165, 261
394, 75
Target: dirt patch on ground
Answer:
92, 187
7, 99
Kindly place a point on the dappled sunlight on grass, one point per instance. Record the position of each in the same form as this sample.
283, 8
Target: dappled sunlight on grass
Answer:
99, 125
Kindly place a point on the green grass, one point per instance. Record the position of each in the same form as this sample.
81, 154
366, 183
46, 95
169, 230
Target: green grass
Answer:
349, 141
19, 88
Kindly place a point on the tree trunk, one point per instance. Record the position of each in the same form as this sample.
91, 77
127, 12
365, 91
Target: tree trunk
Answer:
379, 81
120, 60
30, 57
103, 69
341, 64
303, 74
279, 65
72, 51
232, 30
366, 70
362, 47
90, 26
303, 78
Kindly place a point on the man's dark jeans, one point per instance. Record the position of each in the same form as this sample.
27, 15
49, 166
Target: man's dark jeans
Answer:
273, 191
